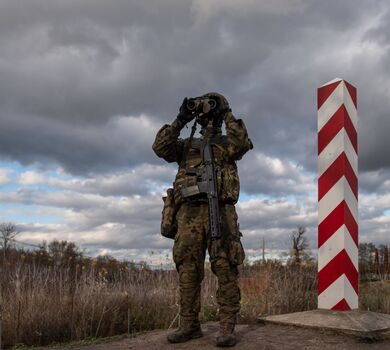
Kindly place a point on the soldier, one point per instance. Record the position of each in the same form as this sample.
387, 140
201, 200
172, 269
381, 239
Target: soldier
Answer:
193, 234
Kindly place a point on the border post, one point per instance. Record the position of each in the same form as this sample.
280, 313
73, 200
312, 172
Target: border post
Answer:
338, 277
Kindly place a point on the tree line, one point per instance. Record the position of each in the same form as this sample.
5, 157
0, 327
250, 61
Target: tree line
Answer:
374, 262
373, 259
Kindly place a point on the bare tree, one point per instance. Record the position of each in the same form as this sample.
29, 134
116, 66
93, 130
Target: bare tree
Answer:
63, 251
263, 248
386, 261
8, 232
299, 244
376, 262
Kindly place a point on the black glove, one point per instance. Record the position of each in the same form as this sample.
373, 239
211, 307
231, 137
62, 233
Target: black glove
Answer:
185, 115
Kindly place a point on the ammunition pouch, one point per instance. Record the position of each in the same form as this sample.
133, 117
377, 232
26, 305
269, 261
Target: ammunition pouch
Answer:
168, 220
198, 188
230, 184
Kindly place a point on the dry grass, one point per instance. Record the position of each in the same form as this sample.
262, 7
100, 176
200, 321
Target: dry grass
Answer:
272, 288
42, 304
375, 296
45, 304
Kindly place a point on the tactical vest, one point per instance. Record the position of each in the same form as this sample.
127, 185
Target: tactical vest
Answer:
228, 183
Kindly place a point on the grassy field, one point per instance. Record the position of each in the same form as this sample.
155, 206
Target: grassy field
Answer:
42, 304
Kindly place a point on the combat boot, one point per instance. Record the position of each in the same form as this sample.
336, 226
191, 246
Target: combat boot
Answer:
226, 336
189, 329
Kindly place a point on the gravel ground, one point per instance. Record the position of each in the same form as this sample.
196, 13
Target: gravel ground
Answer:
259, 337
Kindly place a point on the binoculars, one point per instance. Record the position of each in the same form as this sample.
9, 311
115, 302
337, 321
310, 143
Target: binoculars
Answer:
201, 105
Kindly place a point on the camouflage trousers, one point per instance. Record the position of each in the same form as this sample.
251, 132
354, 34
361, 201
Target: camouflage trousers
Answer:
189, 251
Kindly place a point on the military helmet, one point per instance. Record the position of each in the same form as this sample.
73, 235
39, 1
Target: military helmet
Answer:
222, 103
221, 108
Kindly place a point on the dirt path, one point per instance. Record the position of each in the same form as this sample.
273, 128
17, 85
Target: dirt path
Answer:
259, 337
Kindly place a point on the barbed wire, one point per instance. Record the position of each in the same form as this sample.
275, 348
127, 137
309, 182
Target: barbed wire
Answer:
141, 264
25, 243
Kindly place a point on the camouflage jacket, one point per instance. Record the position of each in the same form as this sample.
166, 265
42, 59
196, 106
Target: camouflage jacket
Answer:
227, 149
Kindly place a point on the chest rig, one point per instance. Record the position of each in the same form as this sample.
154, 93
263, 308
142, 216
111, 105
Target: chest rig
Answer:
195, 170
189, 183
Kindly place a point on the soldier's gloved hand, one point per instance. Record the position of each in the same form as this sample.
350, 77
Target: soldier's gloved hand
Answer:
185, 115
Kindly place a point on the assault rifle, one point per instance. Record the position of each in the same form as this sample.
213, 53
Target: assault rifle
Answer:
209, 184
206, 184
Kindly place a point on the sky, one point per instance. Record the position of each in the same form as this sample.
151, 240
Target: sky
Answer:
85, 86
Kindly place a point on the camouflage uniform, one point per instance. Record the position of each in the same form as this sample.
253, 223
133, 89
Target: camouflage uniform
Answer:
192, 238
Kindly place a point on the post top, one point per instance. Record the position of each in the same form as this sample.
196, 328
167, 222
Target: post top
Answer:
332, 81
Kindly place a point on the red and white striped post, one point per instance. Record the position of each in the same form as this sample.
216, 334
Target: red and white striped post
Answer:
338, 276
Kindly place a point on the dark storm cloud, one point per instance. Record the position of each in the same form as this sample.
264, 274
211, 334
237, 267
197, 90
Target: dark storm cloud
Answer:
90, 60
375, 181
79, 148
68, 68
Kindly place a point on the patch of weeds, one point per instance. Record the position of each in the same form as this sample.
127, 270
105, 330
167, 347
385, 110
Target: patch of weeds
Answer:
20, 347
209, 313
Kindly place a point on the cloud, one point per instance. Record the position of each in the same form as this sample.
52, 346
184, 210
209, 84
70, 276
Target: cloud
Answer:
93, 220
116, 224
122, 142
141, 180
133, 222
260, 173
86, 85
31, 178
377, 181
4, 176
70, 69
204, 10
